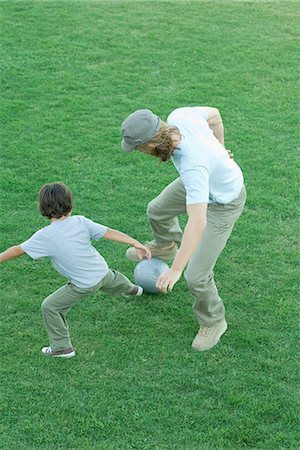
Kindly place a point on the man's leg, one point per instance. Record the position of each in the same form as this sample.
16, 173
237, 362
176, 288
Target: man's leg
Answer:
162, 215
208, 307
163, 212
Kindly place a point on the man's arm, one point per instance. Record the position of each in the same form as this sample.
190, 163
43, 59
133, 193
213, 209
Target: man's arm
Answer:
215, 123
190, 240
11, 253
192, 234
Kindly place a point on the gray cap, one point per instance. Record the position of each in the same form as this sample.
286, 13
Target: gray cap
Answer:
139, 128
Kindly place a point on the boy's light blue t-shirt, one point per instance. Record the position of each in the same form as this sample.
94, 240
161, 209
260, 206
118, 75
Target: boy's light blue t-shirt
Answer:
208, 174
68, 243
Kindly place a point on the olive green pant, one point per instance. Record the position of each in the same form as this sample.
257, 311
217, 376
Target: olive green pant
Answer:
57, 305
163, 214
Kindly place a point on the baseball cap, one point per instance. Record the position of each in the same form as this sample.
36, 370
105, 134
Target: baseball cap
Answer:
139, 128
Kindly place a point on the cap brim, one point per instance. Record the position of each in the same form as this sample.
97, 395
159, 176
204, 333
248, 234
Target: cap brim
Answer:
126, 147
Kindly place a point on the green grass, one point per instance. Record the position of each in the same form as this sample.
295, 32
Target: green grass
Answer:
71, 72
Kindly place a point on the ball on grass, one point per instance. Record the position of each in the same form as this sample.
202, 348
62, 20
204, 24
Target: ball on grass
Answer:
146, 273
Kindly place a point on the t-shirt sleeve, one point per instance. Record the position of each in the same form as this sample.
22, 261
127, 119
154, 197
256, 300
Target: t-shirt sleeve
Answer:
96, 230
35, 246
196, 183
201, 111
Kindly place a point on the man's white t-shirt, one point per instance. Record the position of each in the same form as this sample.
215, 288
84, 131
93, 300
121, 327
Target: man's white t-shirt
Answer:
68, 243
208, 174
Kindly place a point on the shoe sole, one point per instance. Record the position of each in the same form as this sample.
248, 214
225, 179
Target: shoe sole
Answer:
223, 330
70, 355
65, 356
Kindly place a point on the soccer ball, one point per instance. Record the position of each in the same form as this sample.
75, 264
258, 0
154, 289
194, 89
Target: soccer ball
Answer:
146, 273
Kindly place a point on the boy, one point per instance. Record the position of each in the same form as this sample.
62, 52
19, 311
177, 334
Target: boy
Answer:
67, 241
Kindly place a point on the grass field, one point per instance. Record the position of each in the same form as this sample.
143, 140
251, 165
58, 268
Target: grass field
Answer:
71, 72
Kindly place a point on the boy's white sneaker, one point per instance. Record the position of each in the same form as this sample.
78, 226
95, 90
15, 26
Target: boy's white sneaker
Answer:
208, 337
137, 292
65, 353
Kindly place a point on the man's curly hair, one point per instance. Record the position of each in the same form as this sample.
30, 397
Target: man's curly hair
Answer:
163, 141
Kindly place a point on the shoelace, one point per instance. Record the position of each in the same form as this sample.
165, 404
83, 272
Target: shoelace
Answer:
150, 244
205, 331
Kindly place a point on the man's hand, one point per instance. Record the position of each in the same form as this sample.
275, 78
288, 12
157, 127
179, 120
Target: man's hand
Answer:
142, 251
167, 280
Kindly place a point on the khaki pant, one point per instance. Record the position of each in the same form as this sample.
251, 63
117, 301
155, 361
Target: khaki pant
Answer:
163, 214
57, 305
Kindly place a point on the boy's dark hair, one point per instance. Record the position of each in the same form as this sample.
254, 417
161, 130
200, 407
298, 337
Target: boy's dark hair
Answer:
55, 200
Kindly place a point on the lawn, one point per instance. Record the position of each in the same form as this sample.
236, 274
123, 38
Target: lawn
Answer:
71, 71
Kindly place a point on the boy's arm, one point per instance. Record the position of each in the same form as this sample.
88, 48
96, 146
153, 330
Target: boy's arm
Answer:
118, 236
11, 253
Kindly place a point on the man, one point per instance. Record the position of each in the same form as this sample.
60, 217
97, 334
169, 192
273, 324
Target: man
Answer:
210, 189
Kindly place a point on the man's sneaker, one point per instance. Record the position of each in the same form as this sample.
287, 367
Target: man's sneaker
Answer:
66, 353
136, 292
208, 337
166, 253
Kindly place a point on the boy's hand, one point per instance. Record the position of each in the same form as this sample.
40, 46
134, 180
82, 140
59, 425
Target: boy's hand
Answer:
142, 251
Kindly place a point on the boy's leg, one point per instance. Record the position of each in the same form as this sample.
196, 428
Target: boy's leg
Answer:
54, 310
208, 306
115, 283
